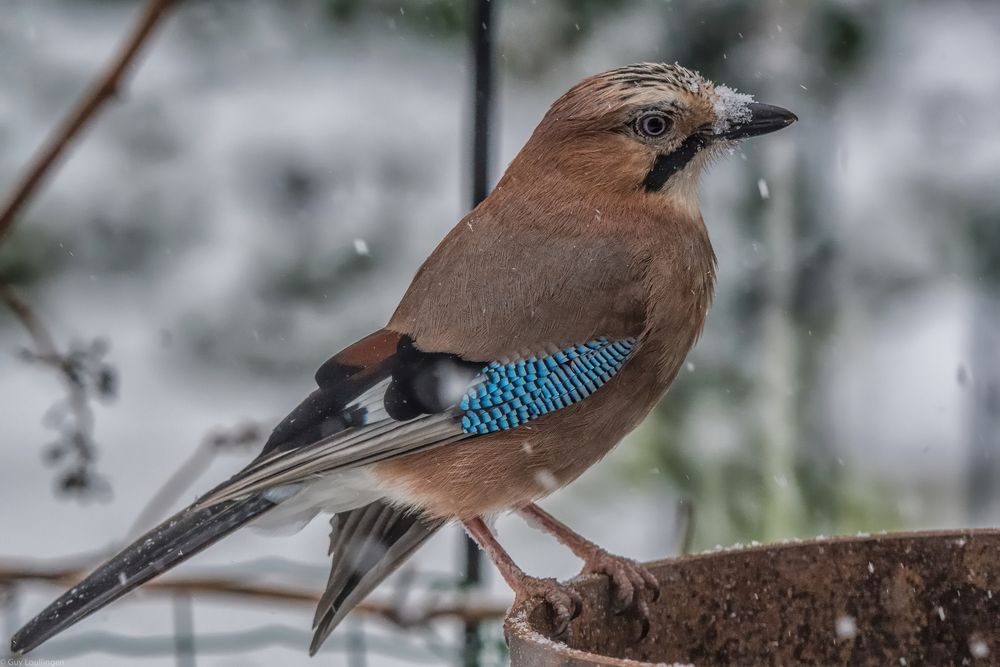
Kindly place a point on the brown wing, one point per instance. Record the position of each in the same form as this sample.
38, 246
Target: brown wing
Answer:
500, 285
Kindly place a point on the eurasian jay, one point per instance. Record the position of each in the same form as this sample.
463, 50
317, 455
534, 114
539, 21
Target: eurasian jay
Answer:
542, 329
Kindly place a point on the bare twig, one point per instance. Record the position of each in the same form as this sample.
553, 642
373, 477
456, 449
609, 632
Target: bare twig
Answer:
242, 435
80, 368
466, 609
84, 376
103, 89
25, 314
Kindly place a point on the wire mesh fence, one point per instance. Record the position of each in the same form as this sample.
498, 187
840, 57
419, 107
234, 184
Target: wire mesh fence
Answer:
421, 618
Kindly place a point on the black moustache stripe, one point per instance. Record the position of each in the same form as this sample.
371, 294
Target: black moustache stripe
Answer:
665, 166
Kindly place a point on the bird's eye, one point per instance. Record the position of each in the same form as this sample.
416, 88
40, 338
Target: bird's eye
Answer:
652, 125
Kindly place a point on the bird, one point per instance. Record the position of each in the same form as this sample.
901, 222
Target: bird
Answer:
542, 329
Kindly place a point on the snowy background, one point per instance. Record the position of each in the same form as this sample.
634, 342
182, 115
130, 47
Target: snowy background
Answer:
277, 171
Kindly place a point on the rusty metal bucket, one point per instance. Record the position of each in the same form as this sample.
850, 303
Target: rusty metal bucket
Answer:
905, 599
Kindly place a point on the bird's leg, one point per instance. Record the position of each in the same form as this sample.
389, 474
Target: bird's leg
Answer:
628, 577
565, 602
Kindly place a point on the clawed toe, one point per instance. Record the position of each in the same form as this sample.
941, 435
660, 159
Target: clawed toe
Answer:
565, 603
642, 611
629, 579
558, 599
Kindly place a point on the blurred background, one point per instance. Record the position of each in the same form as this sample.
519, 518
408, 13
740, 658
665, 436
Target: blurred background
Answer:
275, 173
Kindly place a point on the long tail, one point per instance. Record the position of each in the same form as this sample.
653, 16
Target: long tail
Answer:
366, 544
169, 544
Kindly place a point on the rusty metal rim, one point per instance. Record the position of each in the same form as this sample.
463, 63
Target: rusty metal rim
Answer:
518, 627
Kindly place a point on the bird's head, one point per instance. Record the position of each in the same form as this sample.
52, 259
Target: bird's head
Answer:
648, 128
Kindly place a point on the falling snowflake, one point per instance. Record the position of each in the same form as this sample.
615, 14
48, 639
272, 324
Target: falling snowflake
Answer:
765, 193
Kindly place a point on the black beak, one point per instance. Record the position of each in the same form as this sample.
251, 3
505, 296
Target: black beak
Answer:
763, 118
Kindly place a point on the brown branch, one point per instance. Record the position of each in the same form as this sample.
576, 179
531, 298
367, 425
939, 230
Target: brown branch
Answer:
465, 610
45, 346
105, 87
76, 367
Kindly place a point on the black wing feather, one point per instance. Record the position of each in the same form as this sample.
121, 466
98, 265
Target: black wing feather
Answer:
417, 378
169, 544
367, 544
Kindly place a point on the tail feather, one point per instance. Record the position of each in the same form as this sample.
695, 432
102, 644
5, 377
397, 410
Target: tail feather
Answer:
367, 544
169, 544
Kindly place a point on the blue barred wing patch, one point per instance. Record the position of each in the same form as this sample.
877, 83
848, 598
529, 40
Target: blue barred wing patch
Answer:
508, 395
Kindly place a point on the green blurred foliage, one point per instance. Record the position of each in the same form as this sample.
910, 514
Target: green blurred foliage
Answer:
316, 279
30, 255
729, 488
437, 18
843, 36
447, 18
983, 229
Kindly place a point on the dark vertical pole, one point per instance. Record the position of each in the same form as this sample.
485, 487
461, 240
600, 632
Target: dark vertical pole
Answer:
481, 46
481, 36
184, 653
356, 651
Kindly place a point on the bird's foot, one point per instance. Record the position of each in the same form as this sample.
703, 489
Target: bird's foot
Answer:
565, 603
629, 579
